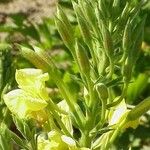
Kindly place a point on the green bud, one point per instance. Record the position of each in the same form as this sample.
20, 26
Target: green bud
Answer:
47, 59
34, 58
84, 27
139, 110
89, 13
102, 91
62, 16
107, 41
126, 43
83, 59
65, 33
65, 29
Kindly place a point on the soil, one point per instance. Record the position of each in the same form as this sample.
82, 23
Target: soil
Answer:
35, 9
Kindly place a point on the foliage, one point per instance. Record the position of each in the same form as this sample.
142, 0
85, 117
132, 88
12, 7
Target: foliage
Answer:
106, 73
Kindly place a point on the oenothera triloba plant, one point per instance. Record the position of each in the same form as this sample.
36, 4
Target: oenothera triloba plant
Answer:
105, 49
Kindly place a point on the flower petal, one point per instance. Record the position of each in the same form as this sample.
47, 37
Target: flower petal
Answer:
33, 81
118, 113
21, 103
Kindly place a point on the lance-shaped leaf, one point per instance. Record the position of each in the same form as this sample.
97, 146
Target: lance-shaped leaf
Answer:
126, 43
139, 110
84, 26
83, 59
65, 29
138, 38
107, 42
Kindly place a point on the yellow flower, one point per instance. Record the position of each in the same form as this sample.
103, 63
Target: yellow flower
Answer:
32, 81
31, 97
56, 141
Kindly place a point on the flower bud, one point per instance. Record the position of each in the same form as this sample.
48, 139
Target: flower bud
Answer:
127, 38
84, 27
107, 41
34, 58
89, 13
65, 29
102, 91
83, 59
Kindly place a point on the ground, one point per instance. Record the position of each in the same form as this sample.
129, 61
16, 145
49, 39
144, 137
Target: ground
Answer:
35, 9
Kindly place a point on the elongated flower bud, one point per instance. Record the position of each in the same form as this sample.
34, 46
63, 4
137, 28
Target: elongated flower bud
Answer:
102, 91
127, 37
62, 16
65, 34
107, 41
34, 58
84, 27
83, 59
65, 29
90, 13
139, 110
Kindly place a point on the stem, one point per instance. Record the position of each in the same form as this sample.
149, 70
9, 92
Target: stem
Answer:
55, 107
103, 111
90, 88
33, 144
59, 121
70, 101
122, 60
109, 76
92, 54
85, 140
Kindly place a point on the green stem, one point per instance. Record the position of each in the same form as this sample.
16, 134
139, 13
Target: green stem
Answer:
103, 111
85, 140
90, 89
92, 54
70, 101
109, 76
59, 121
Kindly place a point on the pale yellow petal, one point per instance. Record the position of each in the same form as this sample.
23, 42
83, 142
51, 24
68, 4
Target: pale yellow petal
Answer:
21, 103
118, 113
33, 81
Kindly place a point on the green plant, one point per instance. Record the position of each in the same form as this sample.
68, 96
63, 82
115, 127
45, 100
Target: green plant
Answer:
105, 46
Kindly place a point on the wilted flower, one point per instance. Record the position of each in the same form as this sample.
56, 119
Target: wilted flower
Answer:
30, 99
